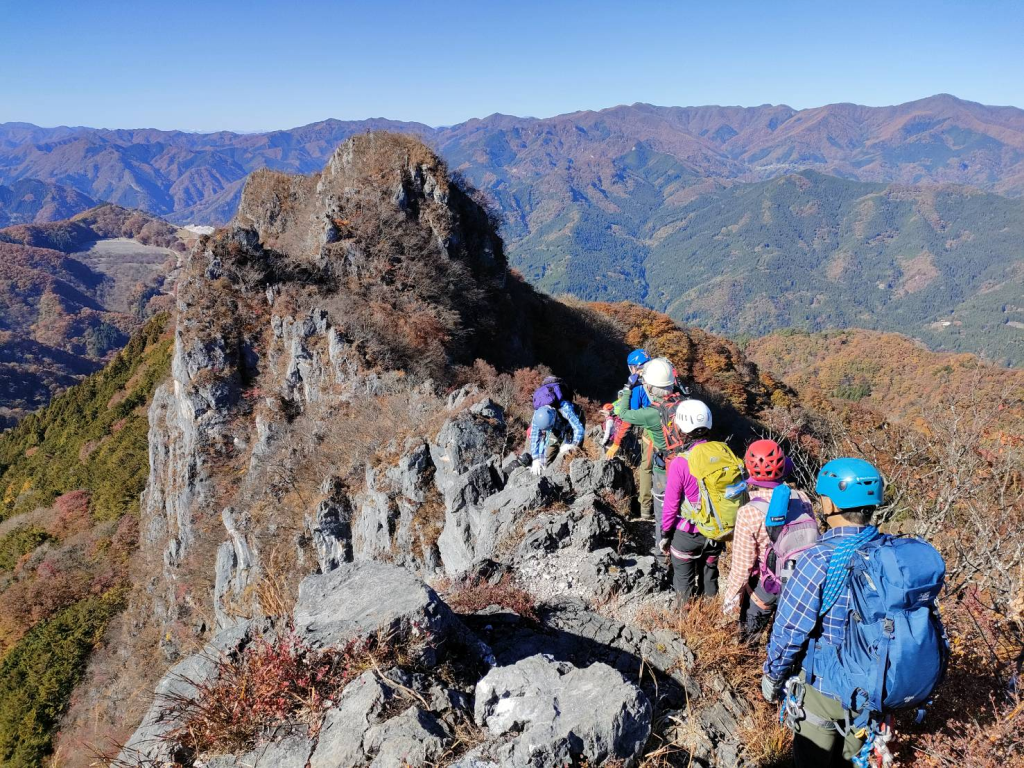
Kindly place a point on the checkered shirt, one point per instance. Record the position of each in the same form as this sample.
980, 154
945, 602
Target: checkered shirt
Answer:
797, 619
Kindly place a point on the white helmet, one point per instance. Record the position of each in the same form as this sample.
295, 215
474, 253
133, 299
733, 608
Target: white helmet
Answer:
692, 415
658, 373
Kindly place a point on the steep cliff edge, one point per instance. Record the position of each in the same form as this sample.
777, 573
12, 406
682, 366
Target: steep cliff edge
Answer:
350, 380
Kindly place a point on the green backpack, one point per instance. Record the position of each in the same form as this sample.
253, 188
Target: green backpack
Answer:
723, 488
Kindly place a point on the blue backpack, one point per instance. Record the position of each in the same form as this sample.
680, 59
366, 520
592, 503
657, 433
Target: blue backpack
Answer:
894, 652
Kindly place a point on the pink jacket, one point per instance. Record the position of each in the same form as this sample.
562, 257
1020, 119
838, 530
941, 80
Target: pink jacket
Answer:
678, 482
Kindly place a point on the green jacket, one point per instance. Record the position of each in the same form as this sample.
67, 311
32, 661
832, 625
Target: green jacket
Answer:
648, 418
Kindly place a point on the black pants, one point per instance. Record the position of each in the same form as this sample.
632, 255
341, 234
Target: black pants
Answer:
695, 565
756, 608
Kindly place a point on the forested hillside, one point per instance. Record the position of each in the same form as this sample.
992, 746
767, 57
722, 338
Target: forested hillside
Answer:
29, 201
887, 372
70, 479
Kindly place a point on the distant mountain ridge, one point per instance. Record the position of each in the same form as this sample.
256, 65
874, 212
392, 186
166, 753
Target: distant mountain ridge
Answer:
197, 177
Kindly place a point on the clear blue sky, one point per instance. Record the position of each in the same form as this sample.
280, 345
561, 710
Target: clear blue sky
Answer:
255, 65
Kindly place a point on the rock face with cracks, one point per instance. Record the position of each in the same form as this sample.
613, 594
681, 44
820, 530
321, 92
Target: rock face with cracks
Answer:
403, 716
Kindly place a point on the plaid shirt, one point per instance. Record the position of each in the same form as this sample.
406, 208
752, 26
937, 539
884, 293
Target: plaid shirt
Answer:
750, 540
797, 619
568, 429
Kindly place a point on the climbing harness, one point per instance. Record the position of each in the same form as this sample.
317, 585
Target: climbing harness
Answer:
793, 711
874, 753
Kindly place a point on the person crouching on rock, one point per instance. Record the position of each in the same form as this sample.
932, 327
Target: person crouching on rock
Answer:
557, 424
772, 531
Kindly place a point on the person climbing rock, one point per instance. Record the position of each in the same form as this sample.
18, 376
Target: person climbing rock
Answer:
613, 430
765, 548
635, 406
839, 675
703, 492
557, 426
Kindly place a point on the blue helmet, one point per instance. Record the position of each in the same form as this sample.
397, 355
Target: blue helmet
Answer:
543, 418
637, 357
851, 483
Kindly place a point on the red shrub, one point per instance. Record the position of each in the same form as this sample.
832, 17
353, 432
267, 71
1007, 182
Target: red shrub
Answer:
270, 683
72, 514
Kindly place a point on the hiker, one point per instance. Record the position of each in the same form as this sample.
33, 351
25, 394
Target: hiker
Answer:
613, 430
635, 362
840, 673
638, 398
703, 492
772, 531
557, 424
656, 385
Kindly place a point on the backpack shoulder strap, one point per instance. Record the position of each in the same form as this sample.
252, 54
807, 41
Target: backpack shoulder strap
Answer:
838, 574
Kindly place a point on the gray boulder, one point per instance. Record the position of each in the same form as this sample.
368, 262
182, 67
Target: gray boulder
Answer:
554, 713
358, 708
331, 532
393, 509
414, 738
365, 598
473, 534
465, 440
292, 751
612, 475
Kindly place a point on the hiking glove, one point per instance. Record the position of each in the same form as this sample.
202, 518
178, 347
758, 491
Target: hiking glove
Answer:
566, 448
665, 543
770, 689
612, 450
729, 606
537, 468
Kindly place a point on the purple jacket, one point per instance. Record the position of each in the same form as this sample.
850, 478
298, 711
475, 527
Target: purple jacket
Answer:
678, 482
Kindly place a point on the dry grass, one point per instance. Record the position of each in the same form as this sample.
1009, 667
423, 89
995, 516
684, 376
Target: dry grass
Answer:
273, 591
475, 594
428, 523
718, 652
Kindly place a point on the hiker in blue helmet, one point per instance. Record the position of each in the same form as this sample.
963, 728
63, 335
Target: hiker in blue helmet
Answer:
635, 361
638, 399
859, 618
813, 611
637, 358
557, 426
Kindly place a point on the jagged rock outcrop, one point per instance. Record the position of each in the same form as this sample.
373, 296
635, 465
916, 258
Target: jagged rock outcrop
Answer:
313, 426
361, 599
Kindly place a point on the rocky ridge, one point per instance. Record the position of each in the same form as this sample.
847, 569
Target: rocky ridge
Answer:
311, 427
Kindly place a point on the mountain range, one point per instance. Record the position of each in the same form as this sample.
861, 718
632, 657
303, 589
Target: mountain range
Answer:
194, 177
903, 218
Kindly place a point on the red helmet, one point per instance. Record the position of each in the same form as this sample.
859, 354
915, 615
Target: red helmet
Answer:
765, 460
